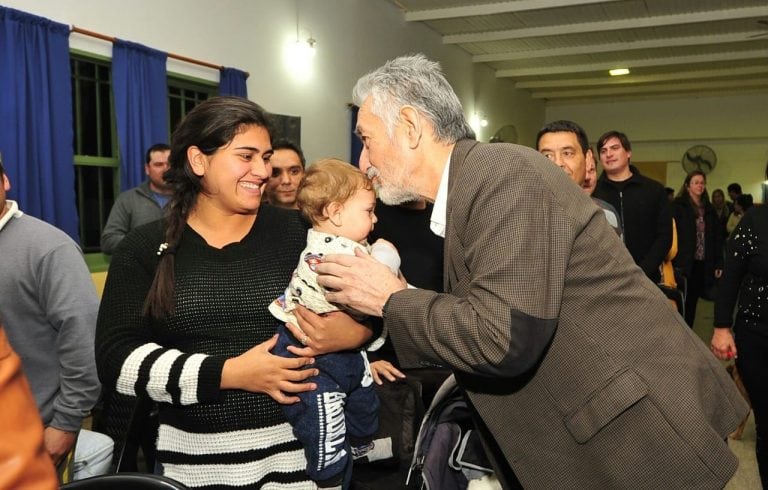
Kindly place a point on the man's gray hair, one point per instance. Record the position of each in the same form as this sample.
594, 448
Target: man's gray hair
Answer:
416, 81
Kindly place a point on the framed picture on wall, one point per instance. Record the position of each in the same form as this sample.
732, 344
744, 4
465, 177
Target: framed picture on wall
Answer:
287, 127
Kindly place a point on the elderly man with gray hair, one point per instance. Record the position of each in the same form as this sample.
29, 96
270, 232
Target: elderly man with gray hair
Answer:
579, 372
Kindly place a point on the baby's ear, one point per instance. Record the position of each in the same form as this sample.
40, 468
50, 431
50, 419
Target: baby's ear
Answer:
333, 212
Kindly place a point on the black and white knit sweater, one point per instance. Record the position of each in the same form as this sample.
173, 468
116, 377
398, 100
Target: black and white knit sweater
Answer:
208, 438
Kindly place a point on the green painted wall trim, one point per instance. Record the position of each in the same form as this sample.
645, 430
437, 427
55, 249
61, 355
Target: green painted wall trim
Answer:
97, 262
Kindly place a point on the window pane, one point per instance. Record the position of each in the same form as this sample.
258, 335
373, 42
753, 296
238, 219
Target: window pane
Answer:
106, 119
94, 189
88, 118
104, 73
87, 70
174, 108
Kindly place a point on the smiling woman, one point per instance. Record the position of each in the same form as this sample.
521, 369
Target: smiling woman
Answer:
699, 241
184, 316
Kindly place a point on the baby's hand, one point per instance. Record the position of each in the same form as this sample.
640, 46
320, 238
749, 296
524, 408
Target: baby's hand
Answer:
383, 243
386, 253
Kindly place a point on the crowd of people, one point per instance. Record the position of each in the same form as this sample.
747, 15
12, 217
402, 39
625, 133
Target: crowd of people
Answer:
575, 370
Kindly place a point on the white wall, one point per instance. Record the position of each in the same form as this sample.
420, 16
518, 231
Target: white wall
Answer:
353, 37
735, 127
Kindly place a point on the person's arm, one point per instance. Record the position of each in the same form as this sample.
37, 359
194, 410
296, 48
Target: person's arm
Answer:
515, 250
662, 235
24, 462
118, 225
130, 359
69, 300
738, 251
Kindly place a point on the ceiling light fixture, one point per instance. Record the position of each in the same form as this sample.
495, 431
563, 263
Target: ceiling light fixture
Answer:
616, 72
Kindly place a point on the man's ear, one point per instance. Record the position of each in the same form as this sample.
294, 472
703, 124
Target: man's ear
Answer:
197, 160
6, 183
410, 118
333, 213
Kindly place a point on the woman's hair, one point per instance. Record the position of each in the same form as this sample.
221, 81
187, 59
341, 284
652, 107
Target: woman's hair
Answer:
745, 201
683, 192
720, 193
327, 181
209, 126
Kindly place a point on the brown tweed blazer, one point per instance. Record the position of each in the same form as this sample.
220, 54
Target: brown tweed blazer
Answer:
581, 370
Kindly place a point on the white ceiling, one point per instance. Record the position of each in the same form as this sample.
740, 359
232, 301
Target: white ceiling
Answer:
563, 49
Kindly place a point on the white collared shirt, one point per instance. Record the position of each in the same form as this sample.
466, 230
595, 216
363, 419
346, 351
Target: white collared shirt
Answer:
11, 211
440, 208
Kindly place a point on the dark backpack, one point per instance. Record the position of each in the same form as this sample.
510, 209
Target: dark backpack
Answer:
449, 451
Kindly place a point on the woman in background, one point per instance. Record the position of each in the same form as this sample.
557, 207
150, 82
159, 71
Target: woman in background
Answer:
745, 278
699, 240
741, 205
184, 316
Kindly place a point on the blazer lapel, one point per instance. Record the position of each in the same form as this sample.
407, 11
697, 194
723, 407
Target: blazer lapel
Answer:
453, 261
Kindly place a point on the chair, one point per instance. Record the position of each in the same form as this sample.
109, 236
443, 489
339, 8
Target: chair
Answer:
130, 422
125, 481
675, 296
672, 283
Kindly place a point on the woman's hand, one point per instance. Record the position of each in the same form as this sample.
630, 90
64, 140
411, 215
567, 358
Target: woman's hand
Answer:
260, 371
331, 332
385, 369
722, 344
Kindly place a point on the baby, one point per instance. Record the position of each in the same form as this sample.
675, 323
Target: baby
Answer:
341, 415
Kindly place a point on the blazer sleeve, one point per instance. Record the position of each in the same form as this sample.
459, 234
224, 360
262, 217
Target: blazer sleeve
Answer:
508, 243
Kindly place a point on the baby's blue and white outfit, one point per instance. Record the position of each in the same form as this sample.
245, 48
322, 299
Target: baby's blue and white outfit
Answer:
341, 415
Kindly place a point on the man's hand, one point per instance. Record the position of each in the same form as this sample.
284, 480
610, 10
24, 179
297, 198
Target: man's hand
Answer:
332, 332
361, 282
58, 443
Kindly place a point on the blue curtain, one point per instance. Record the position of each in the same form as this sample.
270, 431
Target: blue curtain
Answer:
356, 146
233, 82
36, 117
140, 88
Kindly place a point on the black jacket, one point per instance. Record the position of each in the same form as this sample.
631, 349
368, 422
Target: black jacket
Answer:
645, 215
685, 220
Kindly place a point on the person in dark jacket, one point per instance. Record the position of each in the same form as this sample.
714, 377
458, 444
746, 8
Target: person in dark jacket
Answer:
641, 202
699, 241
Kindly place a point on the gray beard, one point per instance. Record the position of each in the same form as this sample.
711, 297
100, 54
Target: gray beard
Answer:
394, 196
391, 195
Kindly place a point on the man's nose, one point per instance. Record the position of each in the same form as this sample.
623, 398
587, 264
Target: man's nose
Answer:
364, 163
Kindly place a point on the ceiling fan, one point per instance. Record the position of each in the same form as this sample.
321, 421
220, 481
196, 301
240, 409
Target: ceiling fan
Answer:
762, 24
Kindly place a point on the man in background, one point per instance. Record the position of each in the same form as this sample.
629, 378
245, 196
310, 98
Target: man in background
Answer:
142, 204
48, 306
287, 170
567, 145
734, 191
641, 202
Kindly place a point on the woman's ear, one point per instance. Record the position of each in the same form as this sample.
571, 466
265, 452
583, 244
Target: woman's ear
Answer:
333, 213
197, 160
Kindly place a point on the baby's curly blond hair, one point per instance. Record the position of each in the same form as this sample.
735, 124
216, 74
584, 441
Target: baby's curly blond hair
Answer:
327, 181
